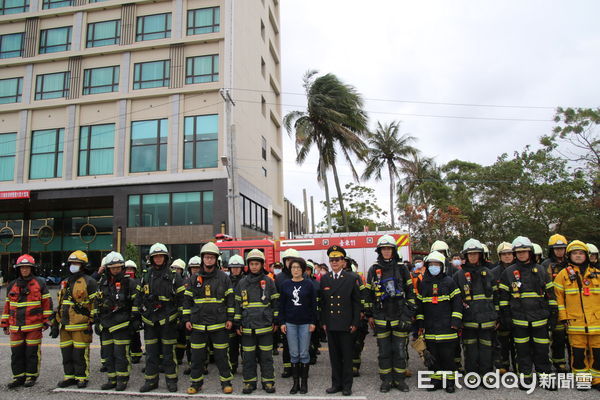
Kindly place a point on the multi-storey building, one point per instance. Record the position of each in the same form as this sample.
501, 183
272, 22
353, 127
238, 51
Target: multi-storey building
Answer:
136, 122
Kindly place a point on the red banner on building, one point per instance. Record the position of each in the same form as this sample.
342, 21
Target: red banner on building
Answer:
18, 194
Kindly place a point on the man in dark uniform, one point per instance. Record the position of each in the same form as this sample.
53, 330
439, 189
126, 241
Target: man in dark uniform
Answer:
340, 315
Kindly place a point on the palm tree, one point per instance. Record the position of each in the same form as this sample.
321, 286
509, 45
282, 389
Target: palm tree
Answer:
388, 149
333, 120
417, 173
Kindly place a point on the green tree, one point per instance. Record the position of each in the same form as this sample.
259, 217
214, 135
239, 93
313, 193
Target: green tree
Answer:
334, 120
132, 253
388, 149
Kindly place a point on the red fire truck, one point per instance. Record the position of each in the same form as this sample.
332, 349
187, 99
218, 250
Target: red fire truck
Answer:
359, 246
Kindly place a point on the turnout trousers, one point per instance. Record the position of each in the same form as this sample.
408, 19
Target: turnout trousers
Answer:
115, 347
391, 344
585, 354
444, 352
532, 345
504, 350
199, 344
75, 350
478, 349
258, 347
25, 353
160, 340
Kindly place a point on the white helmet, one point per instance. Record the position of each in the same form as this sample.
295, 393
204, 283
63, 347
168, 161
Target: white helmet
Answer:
290, 253
255, 255
435, 256
158, 249
504, 247
104, 262
210, 248
130, 264
440, 245
386, 241
486, 251
194, 262
235, 261
179, 263
114, 259
537, 249
521, 242
472, 246
593, 249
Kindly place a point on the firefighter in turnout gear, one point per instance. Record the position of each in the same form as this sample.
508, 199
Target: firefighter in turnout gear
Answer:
182, 347
26, 314
504, 346
478, 291
577, 289
74, 316
208, 312
236, 267
593, 254
257, 309
135, 347
363, 326
439, 317
556, 261
159, 303
391, 307
528, 306
115, 319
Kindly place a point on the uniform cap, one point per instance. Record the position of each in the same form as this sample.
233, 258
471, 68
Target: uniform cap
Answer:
336, 251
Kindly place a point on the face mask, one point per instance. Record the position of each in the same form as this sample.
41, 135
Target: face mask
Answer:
456, 263
74, 268
227, 273
418, 265
277, 271
434, 269
130, 274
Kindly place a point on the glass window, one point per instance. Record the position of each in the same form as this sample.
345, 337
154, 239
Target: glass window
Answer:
186, 208
202, 69
52, 86
13, 6
103, 33
263, 147
11, 90
46, 154
56, 3
151, 74
151, 27
207, 207
133, 215
8, 145
149, 145
101, 80
56, 39
203, 20
11, 45
96, 149
201, 141
155, 209
254, 215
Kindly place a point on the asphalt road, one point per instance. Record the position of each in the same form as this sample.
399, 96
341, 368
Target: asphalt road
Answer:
365, 387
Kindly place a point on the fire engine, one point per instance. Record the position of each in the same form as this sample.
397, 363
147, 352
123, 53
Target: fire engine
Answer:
358, 245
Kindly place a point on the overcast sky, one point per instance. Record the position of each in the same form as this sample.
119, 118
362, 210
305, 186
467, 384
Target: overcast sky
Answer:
404, 55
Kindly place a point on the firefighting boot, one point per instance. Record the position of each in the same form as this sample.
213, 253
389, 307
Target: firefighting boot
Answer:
16, 383
30, 381
122, 384
111, 384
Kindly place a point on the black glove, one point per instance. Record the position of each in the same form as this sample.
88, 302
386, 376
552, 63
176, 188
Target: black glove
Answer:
552, 321
97, 329
54, 331
506, 324
136, 325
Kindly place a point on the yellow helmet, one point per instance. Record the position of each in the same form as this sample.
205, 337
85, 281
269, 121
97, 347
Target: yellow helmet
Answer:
592, 248
255, 255
577, 245
557, 241
210, 248
78, 256
504, 247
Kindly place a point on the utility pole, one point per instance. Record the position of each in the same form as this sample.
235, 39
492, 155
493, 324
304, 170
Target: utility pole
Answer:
312, 214
231, 165
305, 216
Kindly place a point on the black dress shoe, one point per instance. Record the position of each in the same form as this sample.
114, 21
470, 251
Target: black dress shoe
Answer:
333, 390
347, 392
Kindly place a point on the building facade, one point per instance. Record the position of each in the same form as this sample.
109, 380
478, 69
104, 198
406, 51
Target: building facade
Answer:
137, 122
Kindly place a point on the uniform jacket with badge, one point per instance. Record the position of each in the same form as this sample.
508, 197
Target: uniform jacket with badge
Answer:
256, 302
526, 294
160, 298
209, 300
114, 303
578, 298
389, 291
340, 301
479, 293
439, 305
28, 305
76, 302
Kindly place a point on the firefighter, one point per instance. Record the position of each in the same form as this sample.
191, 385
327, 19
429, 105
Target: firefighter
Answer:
504, 346
73, 321
593, 253
115, 319
477, 286
181, 348
577, 289
208, 312
236, 266
193, 268
556, 261
280, 278
439, 317
537, 250
391, 307
135, 347
442, 247
257, 305
27, 312
159, 301
528, 306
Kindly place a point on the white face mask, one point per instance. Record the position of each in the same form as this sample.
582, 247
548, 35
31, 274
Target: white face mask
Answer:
227, 273
277, 271
74, 268
418, 265
456, 263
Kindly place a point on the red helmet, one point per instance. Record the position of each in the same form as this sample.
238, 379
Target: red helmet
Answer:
25, 261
